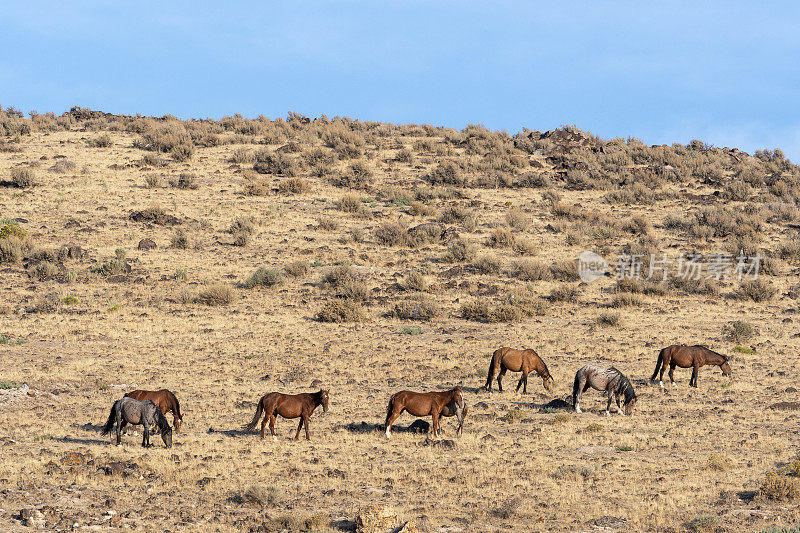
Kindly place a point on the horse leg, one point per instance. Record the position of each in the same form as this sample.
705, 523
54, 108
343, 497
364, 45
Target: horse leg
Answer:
664, 363
119, 431
272, 418
390, 420
145, 436
695, 372
671, 374
305, 420
608, 405
299, 426
435, 419
500, 377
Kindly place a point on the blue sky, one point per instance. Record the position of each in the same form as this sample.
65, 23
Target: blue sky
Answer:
724, 72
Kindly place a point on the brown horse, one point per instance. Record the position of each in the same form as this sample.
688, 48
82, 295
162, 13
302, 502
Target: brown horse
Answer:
422, 404
525, 361
165, 400
686, 357
288, 406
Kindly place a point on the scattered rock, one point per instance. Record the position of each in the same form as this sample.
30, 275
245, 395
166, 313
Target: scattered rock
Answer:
146, 244
315, 383
786, 406
376, 519
488, 437
614, 522
481, 405
446, 444
419, 426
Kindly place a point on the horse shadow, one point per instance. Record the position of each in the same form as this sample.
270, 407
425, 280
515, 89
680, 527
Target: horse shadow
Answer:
85, 442
365, 427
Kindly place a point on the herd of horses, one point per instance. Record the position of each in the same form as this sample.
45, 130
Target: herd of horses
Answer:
148, 408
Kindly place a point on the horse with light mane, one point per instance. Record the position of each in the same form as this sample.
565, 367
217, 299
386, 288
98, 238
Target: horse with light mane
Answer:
610, 380
424, 404
685, 357
525, 361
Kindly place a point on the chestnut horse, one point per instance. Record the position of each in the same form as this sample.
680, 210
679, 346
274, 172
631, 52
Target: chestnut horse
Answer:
165, 400
422, 404
288, 406
525, 361
685, 357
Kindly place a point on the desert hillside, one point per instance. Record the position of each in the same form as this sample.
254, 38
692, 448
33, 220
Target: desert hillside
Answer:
222, 259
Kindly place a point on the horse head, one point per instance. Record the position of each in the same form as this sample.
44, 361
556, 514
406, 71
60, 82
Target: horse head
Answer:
549, 384
628, 406
166, 436
726, 368
323, 400
457, 395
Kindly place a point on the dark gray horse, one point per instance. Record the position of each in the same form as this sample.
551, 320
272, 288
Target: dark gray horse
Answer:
457, 410
130, 411
610, 380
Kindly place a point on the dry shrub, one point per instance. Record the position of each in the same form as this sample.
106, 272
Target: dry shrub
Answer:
500, 238
296, 269
391, 234
357, 176
152, 160
23, 177
338, 310
353, 289
271, 162
294, 186
241, 155
694, 286
12, 250
262, 496
182, 152
103, 141
153, 181
739, 331
43, 270
638, 225
350, 203
418, 209
338, 275
416, 308
524, 246
327, 224
62, 166
265, 277
242, 228
185, 180
217, 294
778, 487
405, 155
527, 270
459, 251
447, 172
415, 281
756, 290
564, 293
255, 185
179, 240
486, 264
517, 219
565, 270
609, 319
456, 214
626, 299
478, 310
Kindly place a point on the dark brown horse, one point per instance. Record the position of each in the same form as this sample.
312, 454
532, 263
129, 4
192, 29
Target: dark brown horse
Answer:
688, 357
288, 406
422, 404
525, 361
165, 400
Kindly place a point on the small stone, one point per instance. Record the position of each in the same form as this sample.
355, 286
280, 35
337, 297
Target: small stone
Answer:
374, 519
147, 244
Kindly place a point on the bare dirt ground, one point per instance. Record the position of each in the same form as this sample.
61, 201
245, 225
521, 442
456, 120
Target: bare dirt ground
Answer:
687, 459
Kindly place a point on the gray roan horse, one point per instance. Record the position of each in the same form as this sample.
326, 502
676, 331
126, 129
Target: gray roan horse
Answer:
458, 410
610, 380
130, 411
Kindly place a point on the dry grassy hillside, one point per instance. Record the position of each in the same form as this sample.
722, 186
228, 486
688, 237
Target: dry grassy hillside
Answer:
367, 258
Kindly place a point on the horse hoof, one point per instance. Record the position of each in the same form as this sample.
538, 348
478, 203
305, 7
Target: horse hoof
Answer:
578, 410
274, 439
608, 413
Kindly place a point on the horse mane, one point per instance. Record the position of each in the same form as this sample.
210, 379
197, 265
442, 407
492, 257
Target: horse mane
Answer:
624, 384
724, 357
161, 420
177, 405
546, 370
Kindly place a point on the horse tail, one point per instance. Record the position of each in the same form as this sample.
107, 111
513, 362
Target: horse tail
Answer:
259, 410
493, 368
111, 419
176, 405
659, 364
390, 407
576, 387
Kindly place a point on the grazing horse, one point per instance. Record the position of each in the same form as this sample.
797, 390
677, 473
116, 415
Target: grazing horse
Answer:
424, 404
610, 380
288, 406
130, 411
165, 400
525, 361
688, 356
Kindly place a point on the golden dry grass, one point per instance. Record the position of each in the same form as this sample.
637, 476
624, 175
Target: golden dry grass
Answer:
686, 454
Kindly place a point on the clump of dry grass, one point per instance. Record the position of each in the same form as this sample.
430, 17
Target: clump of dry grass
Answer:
23, 177
626, 299
500, 238
566, 270
357, 175
277, 163
779, 487
153, 181
456, 214
185, 180
755, 290
242, 228
391, 234
261, 495
565, 293
609, 319
416, 308
739, 331
337, 310
517, 219
216, 294
419, 209
527, 270
296, 269
327, 224
265, 277
487, 264
415, 281
294, 186
459, 251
